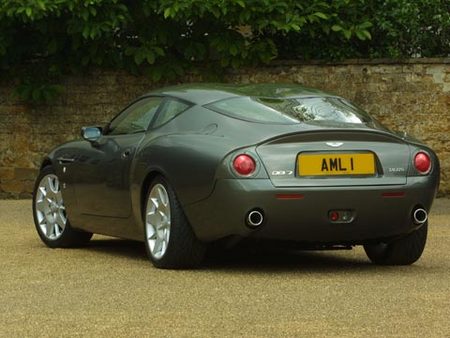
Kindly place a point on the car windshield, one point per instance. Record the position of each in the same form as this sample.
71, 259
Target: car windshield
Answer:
291, 110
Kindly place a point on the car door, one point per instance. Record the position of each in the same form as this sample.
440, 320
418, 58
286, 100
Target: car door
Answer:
102, 185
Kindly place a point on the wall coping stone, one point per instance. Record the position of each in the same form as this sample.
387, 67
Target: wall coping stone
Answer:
383, 61
280, 63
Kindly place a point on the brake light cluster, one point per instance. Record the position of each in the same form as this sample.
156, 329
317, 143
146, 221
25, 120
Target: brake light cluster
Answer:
244, 164
422, 162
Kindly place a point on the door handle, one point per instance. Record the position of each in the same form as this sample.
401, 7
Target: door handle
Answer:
65, 160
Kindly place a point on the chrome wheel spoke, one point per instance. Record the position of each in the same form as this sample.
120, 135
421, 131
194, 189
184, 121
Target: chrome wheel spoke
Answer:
48, 184
60, 220
58, 230
163, 211
42, 191
49, 227
162, 226
158, 247
157, 221
52, 183
152, 236
42, 219
155, 202
162, 194
42, 206
163, 245
152, 218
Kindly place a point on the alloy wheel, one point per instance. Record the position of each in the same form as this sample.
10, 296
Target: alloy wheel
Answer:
157, 221
50, 209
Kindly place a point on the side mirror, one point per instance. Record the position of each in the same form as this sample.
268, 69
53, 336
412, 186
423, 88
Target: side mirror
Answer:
91, 134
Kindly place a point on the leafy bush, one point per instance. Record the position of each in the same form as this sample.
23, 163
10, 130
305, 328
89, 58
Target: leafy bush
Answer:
40, 40
400, 29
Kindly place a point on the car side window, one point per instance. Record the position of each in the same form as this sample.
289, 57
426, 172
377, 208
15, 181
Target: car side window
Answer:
169, 109
136, 118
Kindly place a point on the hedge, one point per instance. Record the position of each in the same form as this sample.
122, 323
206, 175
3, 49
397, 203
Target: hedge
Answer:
42, 40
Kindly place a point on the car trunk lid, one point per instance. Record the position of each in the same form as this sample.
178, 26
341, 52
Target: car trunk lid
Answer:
327, 158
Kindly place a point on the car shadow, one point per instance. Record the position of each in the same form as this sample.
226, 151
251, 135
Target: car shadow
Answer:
262, 260
118, 247
285, 261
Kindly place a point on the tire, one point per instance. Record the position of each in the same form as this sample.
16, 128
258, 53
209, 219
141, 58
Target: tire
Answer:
402, 251
50, 219
169, 239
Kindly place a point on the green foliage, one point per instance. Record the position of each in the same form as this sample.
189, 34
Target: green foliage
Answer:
411, 28
41, 40
375, 29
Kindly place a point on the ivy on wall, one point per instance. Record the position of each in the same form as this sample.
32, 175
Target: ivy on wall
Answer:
41, 40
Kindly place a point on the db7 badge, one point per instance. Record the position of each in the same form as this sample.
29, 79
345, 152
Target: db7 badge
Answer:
282, 172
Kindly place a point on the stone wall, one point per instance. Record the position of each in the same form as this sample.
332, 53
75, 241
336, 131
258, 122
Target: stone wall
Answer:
411, 96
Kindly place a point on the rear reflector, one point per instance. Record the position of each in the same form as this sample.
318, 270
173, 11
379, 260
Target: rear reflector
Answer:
289, 196
395, 194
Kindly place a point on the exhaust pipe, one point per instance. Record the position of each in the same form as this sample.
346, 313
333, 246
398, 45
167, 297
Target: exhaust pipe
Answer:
254, 218
420, 216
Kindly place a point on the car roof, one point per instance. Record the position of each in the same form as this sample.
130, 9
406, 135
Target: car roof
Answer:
204, 93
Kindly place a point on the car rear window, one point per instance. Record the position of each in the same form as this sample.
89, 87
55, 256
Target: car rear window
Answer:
290, 110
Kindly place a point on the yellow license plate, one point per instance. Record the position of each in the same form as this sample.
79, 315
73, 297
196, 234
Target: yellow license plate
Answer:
328, 164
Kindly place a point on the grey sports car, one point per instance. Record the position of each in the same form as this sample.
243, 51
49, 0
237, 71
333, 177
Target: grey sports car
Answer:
189, 165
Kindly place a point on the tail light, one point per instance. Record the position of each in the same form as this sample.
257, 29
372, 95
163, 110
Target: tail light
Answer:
244, 164
422, 162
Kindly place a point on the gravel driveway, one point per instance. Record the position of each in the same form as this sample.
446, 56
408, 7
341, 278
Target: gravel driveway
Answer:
110, 289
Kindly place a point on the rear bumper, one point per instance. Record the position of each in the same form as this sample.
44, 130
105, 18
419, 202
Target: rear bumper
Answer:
223, 213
